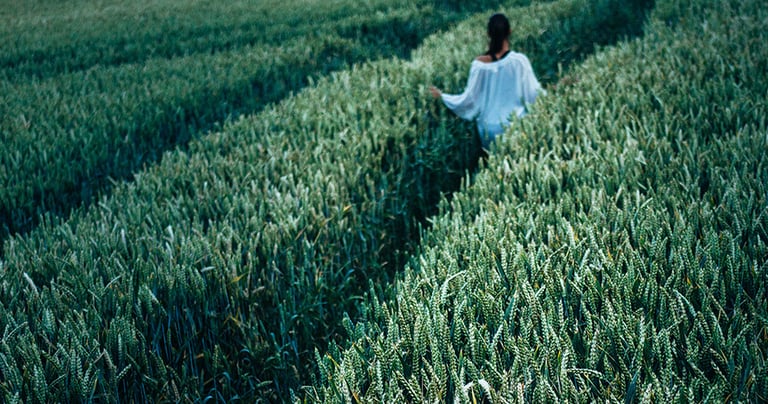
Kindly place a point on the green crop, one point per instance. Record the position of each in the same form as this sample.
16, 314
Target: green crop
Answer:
614, 248
46, 38
216, 272
91, 93
611, 247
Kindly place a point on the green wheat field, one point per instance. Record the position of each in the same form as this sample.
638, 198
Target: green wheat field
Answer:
257, 201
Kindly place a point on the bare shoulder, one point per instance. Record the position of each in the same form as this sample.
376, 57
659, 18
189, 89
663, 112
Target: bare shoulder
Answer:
484, 58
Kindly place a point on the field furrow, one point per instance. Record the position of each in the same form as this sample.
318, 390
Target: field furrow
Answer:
615, 248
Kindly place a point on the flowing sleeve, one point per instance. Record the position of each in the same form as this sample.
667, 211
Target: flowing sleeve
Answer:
467, 105
531, 87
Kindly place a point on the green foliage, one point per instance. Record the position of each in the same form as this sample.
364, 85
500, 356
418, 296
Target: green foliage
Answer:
614, 248
47, 38
585, 27
92, 93
216, 273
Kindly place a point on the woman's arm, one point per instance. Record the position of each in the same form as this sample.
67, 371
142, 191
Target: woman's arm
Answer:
467, 104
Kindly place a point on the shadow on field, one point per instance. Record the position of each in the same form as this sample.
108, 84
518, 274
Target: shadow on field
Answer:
440, 172
165, 34
176, 124
432, 163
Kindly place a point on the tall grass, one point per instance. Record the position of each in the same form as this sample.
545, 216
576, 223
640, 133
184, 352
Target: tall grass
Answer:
91, 93
216, 273
614, 248
47, 38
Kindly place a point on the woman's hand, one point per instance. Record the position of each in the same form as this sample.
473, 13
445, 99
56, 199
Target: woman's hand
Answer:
436, 93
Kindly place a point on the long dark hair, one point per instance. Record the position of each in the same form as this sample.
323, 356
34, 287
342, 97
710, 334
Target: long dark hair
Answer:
498, 31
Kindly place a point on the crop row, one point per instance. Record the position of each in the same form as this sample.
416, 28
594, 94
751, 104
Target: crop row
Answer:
65, 137
614, 248
46, 40
218, 271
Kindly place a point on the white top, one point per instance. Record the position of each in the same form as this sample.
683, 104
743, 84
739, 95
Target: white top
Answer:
494, 92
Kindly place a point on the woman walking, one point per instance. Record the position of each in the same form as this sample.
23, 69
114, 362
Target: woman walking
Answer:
501, 83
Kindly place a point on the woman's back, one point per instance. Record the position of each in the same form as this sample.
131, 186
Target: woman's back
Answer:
501, 84
495, 91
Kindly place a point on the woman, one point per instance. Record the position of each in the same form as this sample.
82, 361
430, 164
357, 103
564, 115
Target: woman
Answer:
501, 83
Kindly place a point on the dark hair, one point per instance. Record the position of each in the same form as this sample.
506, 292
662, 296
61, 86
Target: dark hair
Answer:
498, 31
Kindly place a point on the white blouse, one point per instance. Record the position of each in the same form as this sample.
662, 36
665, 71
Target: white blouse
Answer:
494, 92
